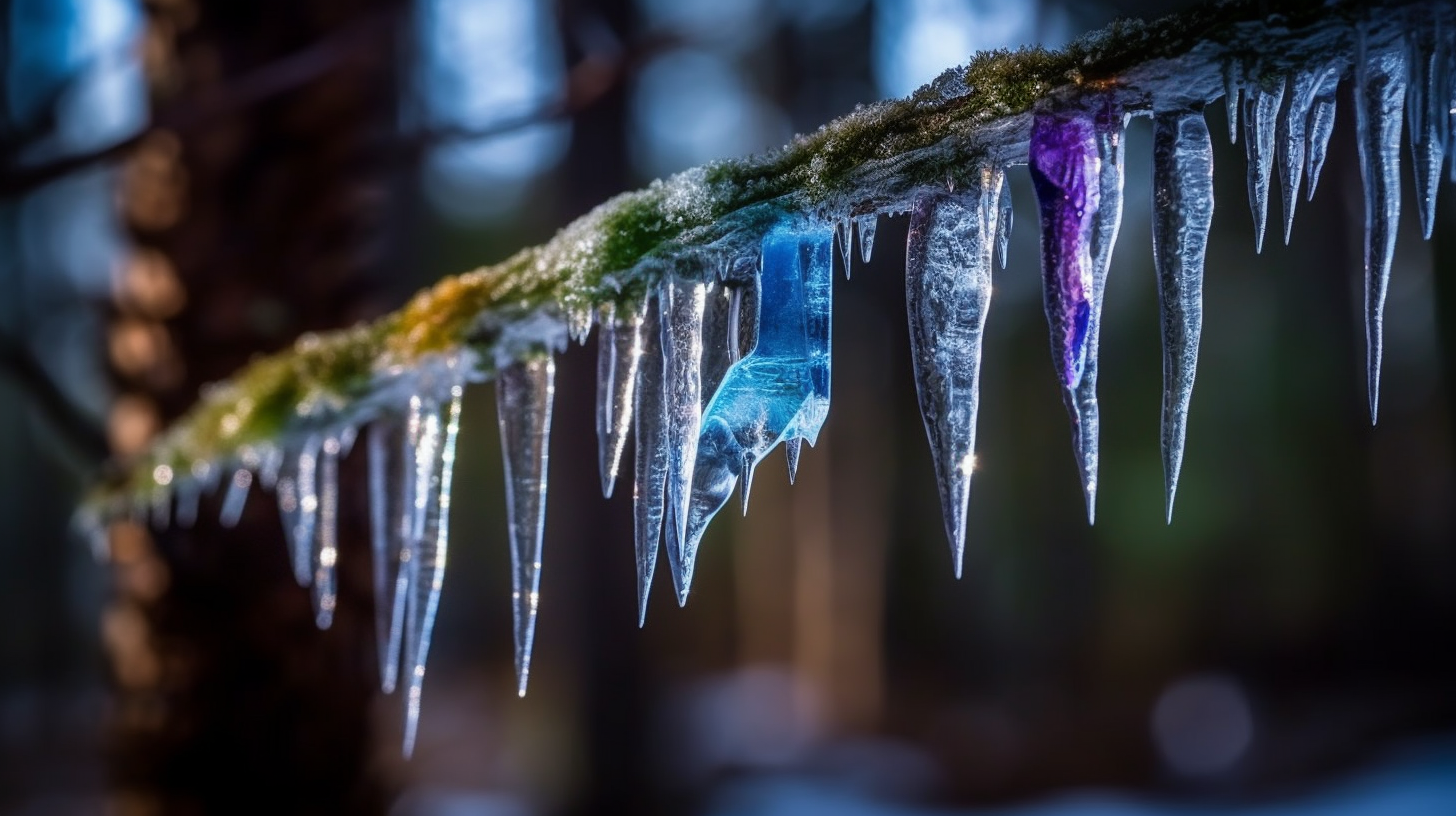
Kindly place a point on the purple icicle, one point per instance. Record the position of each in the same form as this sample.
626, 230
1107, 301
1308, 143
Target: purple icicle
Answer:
1065, 171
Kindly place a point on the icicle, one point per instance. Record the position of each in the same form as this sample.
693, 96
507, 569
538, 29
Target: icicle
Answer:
236, 497
781, 390
1003, 221
579, 323
189, 495
269, 462
1231, 85
682, 305
1292, 140
1426, 107
1380, 80
1182, 213
326, 538
650, 432
947, 293
843, 230
1321, 124
1066, 172
619, 350
793, 446
524, 393
1261, 112
434, 467
298, 505
718, 331
161, 511
866, 225
388, 491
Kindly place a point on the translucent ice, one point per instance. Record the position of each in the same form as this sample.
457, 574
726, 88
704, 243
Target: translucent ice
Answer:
1261, 111
782, 388
326, 538
1182, 213
843, 230
1066, 171
793, 446
1380, 82
650, 431
618, 354
524, 394
948, 260
1427, 109
235, 498
1291, 139
866, 225
1003, 223
1232, 82
683, 301
428, 547
1321, 123
390, 486
298, 506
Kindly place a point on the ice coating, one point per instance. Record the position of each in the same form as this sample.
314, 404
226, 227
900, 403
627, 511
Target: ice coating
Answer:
1066, 172
1321, 123
650, 432
428, 551
1261, 112
524, 395
1182, 214
619, 353
948, 260
1380, 83
1292, 140
781, 388
683, 302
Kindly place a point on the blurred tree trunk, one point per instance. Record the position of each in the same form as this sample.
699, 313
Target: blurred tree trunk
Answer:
267, 208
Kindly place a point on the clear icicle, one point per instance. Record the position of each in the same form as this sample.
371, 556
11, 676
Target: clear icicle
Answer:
434, 459
948, 261
1003, 221
524, 393
1232, 81
236, 498
326, 537
1321, 124
1426, 107
189, 495
389, 489
1292, 140
1380, 80
1066, 172
1182, 213
682, 305
298, 503
843, 229
1261, 114
718, 335
866, 225
650, 432
780, 391
619, 351
793, 446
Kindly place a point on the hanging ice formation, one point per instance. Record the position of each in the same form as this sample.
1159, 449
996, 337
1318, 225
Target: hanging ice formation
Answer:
711, 356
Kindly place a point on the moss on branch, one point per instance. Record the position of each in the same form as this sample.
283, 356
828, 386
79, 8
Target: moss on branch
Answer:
872, 160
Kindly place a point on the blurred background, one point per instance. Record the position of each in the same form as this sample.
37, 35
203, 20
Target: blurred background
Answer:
189, 183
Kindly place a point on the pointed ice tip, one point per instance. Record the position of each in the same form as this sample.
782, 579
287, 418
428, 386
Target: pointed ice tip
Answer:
1089, 491
682, 597
609, 481
791, 454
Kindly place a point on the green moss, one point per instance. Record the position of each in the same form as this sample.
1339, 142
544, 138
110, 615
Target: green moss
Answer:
599, 258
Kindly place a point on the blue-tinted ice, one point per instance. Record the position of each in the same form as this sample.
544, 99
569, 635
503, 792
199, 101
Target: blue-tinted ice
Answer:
777, 392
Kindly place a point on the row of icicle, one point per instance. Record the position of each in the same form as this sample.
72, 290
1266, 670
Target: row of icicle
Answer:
710, 375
